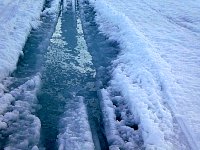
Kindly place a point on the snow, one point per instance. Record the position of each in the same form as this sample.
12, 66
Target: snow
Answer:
16, 116
75, 129
17, 107
120, 134
152, 100
17, 19
157, 71
53, 9
66, 3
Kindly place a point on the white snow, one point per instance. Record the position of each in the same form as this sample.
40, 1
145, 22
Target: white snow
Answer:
66, 3
16, 116
75, 130
53, 9
16, 119
17, 18
155, 76
118, 121
157, 71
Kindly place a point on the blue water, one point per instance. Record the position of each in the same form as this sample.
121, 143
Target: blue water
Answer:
73, 58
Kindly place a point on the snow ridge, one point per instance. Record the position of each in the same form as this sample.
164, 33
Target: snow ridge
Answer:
75, 129
142, 78
17, 19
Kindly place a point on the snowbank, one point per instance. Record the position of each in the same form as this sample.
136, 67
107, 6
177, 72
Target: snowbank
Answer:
15, 28
17, 119
20, 128
134, 80
143, 77
17, 19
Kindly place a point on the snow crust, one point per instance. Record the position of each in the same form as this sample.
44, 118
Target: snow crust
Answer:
75, 130
17, 19
156, 71
17, 117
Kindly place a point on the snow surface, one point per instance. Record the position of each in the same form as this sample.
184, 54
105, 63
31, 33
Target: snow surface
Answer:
53, 9
17, 19
17, 107
157, 71
155, 79
75, 130
17, 119
20, 128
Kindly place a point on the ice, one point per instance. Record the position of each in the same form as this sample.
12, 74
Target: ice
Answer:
157, 69
75, 130
153, 95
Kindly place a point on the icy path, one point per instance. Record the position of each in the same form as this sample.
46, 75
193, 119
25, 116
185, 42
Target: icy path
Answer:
68, 94
149, 94
158, 70
65, 72
64, 113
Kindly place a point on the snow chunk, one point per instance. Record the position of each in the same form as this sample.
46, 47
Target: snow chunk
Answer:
16, 116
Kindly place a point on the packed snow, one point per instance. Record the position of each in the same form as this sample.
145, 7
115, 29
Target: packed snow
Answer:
157, 71
18, 105
17, 19
75, 130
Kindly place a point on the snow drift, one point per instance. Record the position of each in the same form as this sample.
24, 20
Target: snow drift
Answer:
150, 73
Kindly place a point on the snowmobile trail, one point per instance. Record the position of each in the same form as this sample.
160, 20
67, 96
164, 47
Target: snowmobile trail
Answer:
99, 75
